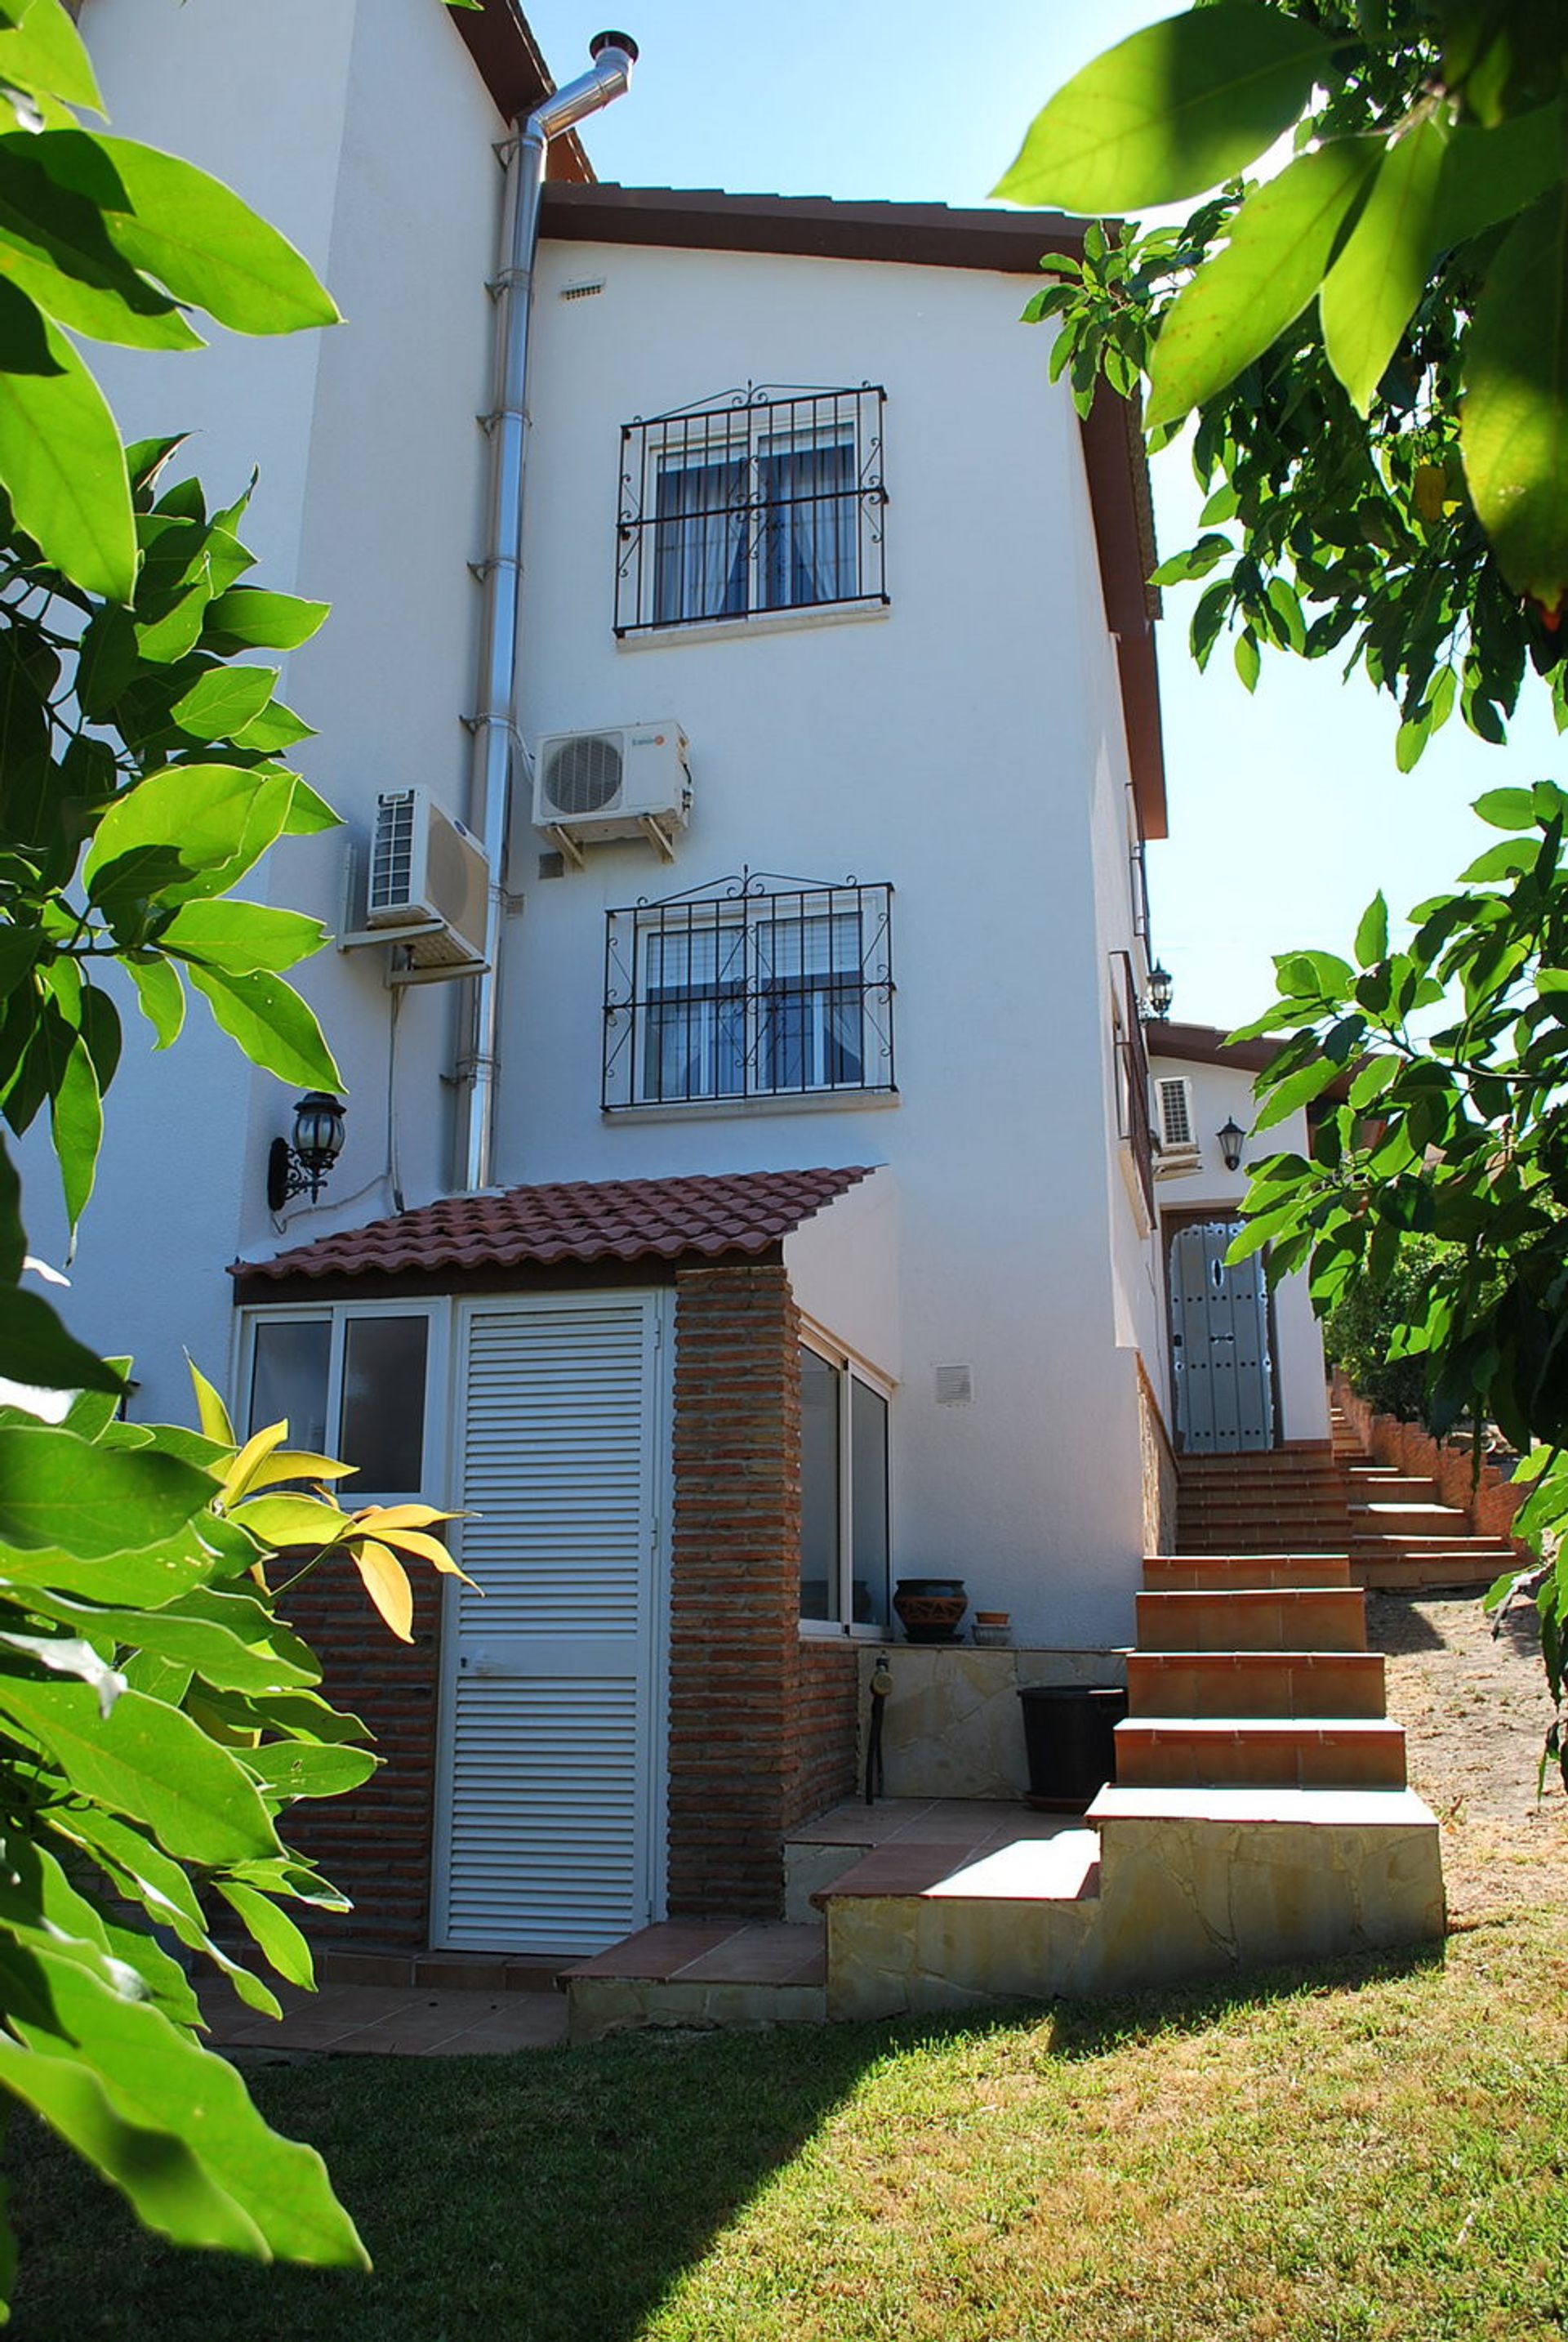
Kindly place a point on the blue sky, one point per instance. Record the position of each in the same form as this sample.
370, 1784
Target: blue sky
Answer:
1286, 809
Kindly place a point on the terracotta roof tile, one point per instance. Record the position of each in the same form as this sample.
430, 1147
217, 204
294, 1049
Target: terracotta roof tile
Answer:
603, 1219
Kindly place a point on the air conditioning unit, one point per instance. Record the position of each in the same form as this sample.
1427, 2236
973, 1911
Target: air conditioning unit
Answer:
1176, 1134
590, 787
428, 884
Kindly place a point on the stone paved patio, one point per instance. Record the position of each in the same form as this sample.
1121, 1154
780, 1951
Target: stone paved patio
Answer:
363, 2020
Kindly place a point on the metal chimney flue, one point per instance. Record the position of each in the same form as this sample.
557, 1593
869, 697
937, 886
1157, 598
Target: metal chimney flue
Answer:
497, 732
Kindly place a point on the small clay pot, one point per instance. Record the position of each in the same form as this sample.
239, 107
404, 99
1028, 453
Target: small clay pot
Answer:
930, 1608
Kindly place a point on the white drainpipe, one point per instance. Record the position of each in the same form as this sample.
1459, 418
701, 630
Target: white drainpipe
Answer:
495, 722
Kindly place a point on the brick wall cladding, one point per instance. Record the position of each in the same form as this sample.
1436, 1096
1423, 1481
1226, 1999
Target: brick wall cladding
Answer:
822, 1728
375, 1844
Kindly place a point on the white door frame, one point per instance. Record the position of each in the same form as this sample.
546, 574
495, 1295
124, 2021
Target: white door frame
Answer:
654, 1804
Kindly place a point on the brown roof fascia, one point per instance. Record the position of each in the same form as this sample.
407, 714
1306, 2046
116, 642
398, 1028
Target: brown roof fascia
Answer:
521, 1276
502, 44
1205, 1044
931, 235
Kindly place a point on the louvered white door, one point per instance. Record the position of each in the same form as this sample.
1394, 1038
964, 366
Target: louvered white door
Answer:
550, 1798
1220, 1343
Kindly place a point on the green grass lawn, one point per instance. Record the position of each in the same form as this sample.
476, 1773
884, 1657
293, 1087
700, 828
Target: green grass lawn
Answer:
1371, 2150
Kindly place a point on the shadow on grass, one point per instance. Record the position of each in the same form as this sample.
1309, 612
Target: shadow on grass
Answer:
1090, 2029
553, 2196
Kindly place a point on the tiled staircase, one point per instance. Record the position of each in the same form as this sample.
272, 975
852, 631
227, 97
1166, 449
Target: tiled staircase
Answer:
1260, 1811
1397, 1534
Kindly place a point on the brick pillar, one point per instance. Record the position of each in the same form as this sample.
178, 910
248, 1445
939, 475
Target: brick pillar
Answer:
376, 1843
734, 1588
824, 1728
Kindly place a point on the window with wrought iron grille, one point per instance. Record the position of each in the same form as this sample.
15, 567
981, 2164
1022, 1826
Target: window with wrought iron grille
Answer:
752, 987
759, 501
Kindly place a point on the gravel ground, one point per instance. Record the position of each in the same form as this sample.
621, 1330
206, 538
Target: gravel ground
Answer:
1475, 1709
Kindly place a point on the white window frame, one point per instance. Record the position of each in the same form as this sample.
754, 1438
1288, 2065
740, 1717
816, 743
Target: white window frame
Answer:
851, 1368
758, 1003
751, 436
430, 1487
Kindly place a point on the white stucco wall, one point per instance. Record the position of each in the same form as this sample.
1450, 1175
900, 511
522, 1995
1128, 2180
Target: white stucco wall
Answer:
361, 128
949, 747
1222, 1093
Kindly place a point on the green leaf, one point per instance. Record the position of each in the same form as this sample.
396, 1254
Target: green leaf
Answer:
248, 618
1297, 1089
35, 1348
198, 238
77, 1125
1488, 174
275, 1933
62, 465
309, 815
1506, 808
1499, 862
276, 728
241, 937
1240, 302
299, 1769
1513, 427
146, 1578
55, 190
273, 1024
216, 820
171, 637
161, 2177
1371, 935
1169, 112
1370, 294
1247, 659
149, 1761
1410, 742
155, 2076
234, 1657
41, 50
224, 701
57, 1490
161, 996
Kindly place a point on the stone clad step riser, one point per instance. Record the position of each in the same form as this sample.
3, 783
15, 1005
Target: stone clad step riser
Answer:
1278, 1618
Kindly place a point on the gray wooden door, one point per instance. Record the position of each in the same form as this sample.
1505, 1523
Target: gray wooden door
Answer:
1219, 1344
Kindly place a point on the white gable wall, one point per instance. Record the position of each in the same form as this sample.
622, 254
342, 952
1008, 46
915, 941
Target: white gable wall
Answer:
949, 747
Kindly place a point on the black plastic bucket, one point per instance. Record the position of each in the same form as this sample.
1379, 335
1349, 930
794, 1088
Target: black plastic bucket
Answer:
1070, 1740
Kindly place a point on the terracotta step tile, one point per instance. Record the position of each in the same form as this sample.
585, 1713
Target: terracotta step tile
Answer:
1268, 1619
1303, 1752
1230, 1684
1177, 1573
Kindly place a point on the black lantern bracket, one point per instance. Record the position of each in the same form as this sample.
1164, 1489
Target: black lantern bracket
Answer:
303, 1168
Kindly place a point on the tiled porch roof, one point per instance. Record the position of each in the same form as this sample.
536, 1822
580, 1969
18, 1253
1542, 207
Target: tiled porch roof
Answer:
586, 1220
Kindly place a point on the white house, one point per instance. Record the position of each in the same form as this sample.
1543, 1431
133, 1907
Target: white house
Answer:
787, 1223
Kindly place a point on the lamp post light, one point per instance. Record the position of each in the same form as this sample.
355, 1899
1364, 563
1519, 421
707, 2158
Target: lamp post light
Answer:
318, 1136
1161, 992
1232, 1138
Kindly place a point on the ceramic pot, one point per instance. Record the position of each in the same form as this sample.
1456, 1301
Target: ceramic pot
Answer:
930, 1608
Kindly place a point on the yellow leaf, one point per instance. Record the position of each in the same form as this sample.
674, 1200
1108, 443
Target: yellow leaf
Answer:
251, 1458
386, 1583
428, 1548
214, 1414
298, 1463
405, 1517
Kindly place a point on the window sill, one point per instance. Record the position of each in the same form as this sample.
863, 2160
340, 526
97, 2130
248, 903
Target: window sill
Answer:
829, 1630
764, 622
780, 1102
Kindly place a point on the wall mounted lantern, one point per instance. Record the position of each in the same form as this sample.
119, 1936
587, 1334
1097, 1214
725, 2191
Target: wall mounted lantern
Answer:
1232, 1138
1161, 992
318, 1136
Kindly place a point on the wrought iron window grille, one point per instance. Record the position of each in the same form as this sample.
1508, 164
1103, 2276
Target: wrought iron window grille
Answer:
755, 986
757, 500
1135, 1126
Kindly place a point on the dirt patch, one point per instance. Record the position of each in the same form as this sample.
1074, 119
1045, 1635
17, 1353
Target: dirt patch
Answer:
1475, 1709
